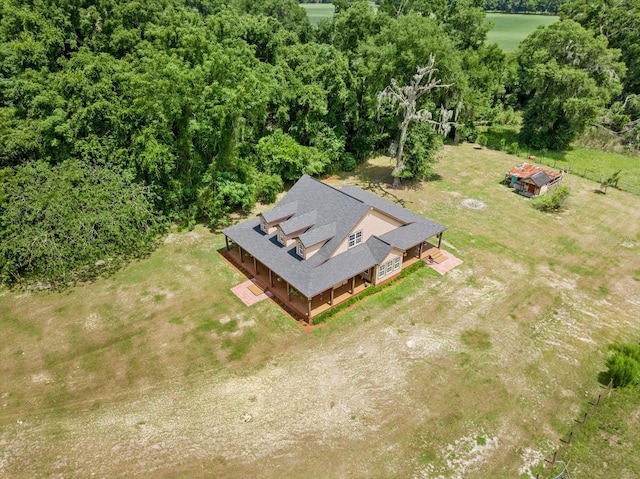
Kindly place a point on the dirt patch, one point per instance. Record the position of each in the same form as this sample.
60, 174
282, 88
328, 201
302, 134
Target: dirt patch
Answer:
472, 204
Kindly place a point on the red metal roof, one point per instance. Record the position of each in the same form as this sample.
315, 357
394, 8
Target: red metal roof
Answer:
526, 170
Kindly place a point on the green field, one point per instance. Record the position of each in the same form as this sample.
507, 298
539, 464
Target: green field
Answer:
160, 371
508, 30
318, 11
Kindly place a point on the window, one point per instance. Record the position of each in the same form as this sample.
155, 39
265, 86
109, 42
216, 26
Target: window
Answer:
381, 271
355, 239
300, 249
389, 266
396, 263
263, 225
280, 236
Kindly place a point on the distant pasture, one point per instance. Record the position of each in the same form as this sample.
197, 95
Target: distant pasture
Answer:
508, 29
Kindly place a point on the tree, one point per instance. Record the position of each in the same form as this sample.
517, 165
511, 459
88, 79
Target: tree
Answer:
406, 99
72, 222
567, 77
619, 22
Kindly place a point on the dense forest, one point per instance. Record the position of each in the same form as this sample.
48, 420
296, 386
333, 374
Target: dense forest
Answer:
118, 117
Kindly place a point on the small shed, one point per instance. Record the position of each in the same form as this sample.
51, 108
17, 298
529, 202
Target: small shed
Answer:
531, 180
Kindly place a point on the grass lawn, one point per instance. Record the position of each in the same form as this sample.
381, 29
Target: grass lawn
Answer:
160, 371
586, 162
510, 29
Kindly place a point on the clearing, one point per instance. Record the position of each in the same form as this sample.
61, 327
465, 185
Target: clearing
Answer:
160, 371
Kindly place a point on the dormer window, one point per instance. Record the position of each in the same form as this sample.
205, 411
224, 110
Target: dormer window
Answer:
263, 225
280, 236
300, 249
355, 239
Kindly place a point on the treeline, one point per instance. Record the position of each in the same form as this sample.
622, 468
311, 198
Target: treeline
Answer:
550, 7
119, 117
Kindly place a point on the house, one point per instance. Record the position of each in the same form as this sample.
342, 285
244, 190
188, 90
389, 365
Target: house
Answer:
320, 245
531, 180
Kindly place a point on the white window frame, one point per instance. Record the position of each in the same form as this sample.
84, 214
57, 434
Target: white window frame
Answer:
381, 271
397, 263
280, 236
389, 266
355, 238
300, 249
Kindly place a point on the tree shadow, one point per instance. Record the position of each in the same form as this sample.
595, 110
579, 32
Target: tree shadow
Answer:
369, 173
604, 378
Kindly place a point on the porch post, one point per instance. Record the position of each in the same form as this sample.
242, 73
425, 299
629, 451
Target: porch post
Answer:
270, 279
309, 309
353, 284
420, 250
255, 265
226, 240
331, 297
288, 292
241, 255
439, 240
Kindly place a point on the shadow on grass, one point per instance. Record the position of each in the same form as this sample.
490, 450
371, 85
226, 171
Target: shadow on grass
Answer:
604, 378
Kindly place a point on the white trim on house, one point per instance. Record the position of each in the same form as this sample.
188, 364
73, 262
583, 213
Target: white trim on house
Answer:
355, 238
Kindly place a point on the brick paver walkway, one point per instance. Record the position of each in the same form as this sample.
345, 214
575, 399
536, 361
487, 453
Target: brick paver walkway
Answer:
448, 264
246, 296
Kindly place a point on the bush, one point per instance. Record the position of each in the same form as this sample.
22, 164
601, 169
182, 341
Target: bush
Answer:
624, 368
348, 162
267, 187
70, 222
554, 200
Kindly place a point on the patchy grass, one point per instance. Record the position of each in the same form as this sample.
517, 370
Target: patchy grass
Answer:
586, 162
476, 339
477, 373
609, 439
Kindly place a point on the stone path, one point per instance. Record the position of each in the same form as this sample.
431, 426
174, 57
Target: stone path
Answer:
448, 264
243, 292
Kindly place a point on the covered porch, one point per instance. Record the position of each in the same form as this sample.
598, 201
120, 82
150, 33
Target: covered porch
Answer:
422, 251
304, 307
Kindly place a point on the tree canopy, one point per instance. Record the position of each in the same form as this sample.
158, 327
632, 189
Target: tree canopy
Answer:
203, 107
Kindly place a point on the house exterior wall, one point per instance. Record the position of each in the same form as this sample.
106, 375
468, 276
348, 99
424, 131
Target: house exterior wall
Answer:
374, 223
395, 259
313, 249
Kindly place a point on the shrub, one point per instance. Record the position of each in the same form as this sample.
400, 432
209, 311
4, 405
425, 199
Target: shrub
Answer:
623, 369
348, 162
267, 187
554, 200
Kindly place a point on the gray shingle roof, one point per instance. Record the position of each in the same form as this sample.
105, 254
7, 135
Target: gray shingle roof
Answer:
298, 223
540, 178
280, 212
410, 235
316, 235
383, 205
336, 212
